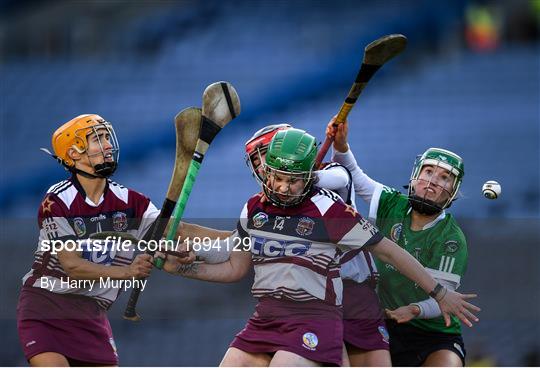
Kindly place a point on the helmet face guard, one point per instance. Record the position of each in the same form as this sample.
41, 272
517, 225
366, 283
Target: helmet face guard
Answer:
75, 135
437, 158
288, 167
257, 146
288, 197
109, 158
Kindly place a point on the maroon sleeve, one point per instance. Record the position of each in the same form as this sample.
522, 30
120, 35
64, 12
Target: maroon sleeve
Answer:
347, 227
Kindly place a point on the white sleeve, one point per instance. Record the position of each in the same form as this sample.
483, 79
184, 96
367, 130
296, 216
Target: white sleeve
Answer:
337, 178
148, 218
219, 252
429, 308
221, 249
364, 186
333, 179
241, 227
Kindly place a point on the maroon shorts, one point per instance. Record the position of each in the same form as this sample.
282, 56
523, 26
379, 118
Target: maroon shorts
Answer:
312, 329
71, 325
363, 322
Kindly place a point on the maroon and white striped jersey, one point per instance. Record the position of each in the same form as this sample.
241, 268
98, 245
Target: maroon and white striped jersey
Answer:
67, 214
356, 265
296, 250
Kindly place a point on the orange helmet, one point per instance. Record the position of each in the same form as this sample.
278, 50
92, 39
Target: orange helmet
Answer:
74, 134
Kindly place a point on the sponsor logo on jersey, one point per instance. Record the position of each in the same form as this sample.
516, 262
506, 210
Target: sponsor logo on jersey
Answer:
98, 218
120, 222
30, 343
451, 246
260, 219
305, 226
395, 232
278, 248
99, 251
310, 341
79, 226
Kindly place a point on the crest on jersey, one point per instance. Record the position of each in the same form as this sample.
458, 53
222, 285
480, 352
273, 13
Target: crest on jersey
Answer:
305, 226
384, 334
451, 246
79, 226
120, 222
260, 219
395, 232
46, 205
351, 210
310, 340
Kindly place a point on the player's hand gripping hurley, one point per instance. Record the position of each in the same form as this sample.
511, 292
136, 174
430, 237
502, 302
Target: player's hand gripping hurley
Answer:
376, 54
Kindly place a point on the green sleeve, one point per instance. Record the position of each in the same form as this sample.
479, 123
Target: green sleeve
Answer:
384, 202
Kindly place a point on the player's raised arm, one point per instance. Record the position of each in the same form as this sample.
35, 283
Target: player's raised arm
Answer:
364, 186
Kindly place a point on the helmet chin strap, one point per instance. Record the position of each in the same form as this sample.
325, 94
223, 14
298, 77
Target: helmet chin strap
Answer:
424, 206
102, 170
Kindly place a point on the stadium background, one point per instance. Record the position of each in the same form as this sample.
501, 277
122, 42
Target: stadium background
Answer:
469, 81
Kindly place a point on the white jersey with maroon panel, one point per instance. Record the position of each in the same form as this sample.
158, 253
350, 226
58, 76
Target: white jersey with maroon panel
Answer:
296, 250
67, 214
356, 265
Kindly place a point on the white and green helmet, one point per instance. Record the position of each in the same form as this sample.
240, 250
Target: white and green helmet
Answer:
436, 157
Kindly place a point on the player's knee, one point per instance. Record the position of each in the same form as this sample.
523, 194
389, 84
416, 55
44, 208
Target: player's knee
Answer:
238, 358
443, 358
49, 359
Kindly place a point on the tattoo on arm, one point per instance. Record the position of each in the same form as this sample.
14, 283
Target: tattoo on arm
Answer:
188, 269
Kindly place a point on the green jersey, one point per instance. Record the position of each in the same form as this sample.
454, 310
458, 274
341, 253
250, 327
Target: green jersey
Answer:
440, 247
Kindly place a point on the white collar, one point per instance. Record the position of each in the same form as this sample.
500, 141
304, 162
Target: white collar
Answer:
432, 223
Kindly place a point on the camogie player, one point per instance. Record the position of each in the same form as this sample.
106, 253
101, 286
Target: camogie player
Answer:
294, 242
61, 314
365, 334
419, 224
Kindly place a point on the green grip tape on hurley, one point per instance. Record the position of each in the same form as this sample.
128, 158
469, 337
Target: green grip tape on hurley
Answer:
158, 263
193, 170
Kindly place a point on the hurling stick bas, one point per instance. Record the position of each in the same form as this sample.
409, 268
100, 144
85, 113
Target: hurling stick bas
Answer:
376, 54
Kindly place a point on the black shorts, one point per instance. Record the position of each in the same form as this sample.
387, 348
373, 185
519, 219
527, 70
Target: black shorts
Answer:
410, 346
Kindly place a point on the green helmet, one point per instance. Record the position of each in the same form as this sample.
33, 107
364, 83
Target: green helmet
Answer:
436, 157
291, 153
